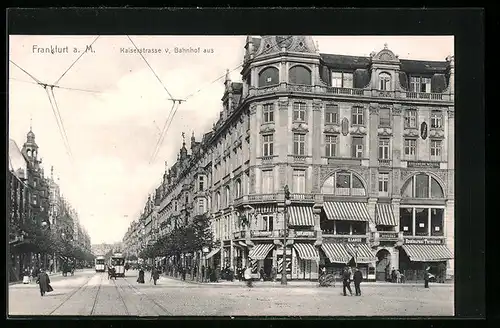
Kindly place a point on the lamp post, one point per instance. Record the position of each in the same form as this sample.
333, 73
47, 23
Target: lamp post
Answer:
285, 233
356, 255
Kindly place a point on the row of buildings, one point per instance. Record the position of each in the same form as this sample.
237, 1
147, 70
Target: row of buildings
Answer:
365, 144
36, 204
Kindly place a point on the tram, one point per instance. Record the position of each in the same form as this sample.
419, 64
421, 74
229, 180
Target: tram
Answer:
117, 261
100, 264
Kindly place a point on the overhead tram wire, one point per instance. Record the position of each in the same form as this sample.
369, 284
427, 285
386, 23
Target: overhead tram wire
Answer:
265, 52
66, 145
166, 131
83, 53
45, 86
61, 119
57, 86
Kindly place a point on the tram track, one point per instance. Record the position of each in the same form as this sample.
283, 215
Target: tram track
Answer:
127, 311
164, 311
70, 295
96, 295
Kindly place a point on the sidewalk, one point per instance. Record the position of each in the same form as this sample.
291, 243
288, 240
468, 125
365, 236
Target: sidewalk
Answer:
307, 283
59, 273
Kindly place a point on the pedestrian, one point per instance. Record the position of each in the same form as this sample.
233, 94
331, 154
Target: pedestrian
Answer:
358, 277
398, 277
323, 271
43, 282
26, 276
274, 273
154, 275
183, 272
140, 279
262, 274
426, 277
248, 277
346, 279
202, 273
393, 275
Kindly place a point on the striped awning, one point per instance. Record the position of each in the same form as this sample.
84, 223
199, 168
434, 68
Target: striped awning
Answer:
306, 251
384, 215
266, 208
336, 252
428, 253
347, 211
362, 253
260, 251
300, 216
213, 252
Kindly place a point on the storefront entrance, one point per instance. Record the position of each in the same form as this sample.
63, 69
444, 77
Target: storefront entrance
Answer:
268, 265
383, 267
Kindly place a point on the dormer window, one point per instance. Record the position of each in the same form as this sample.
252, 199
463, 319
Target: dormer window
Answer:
420, 84
385, 82
342, 80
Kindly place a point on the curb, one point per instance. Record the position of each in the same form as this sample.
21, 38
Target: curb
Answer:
302, 285
59, 273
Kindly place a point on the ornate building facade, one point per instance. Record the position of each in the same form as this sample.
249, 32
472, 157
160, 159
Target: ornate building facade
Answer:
366, 145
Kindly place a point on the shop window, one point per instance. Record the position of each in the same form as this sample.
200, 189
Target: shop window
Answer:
268, 76
421, 221
406, 221
343, 227
437, 220
422, 186
359, 228
300, 75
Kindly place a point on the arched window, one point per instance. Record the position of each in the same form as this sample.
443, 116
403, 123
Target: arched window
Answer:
422, 186
300, 75
228, 196
344, 183
269, 76
237, 188
217, 201
384, 82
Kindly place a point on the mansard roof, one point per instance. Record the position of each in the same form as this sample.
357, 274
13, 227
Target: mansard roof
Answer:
407, 65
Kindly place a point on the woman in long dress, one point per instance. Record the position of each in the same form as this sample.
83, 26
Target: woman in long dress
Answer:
140, 279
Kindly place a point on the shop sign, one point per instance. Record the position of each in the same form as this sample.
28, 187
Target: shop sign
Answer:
420, 164
423, 241
350, 240
262, 233
304, 233
388, 235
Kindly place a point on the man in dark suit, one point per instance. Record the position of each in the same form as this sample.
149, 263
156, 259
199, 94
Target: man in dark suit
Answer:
346, 279
358, 277
43, 282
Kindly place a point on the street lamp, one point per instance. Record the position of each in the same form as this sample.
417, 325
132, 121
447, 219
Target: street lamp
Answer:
285, 233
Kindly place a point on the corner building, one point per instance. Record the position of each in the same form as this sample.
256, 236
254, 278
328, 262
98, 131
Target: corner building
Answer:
365, 144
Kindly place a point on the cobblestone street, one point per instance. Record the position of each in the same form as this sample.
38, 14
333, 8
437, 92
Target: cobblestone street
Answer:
88, 293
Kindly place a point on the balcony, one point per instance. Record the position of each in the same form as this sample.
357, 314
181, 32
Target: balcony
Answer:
302, 198
384, 162
348, 92
350, 192
261, 197
267, 159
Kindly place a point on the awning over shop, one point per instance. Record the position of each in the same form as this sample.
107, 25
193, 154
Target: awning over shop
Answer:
384, 215
346, 211
428, 253
362, 253
260, 251
300, 216
266, 208
336, 252
213, 252
306, 251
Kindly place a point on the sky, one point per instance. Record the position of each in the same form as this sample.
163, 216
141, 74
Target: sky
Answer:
113, 121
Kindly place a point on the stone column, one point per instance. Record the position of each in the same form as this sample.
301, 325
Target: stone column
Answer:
395, 258
282, 133
372, 202
231, 256
373, 135
316, 132
395, 207
397, 132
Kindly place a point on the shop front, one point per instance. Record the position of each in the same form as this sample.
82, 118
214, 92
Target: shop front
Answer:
261, 258
212, 259
418, 254
340, 254
306, 259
